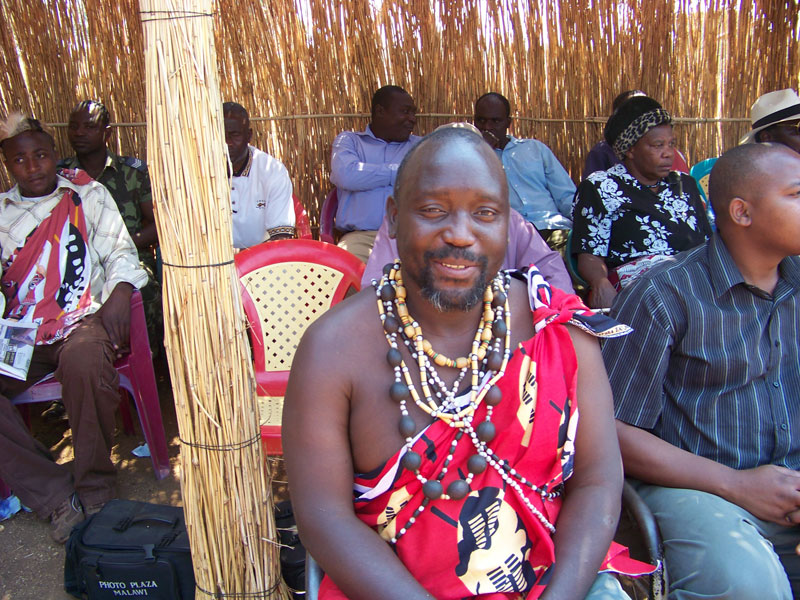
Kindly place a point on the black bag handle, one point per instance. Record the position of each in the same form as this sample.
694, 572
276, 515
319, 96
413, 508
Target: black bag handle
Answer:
129, 522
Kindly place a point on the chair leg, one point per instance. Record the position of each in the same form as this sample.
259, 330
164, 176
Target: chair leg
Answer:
648, 527
146, 398
5, 491
125, 411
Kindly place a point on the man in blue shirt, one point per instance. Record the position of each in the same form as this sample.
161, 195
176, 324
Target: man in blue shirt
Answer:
707, 387
364, 165
538, 186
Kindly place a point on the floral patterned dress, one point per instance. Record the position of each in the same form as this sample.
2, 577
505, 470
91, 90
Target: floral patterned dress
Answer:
618, 218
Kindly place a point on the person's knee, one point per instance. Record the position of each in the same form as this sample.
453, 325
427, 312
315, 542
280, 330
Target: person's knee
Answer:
88, 360
714, 549
606, 587
735, 572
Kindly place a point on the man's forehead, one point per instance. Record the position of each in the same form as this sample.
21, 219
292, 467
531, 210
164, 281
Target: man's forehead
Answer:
490, 104
400, 99
234, 122
27, 141
92, 114
444, 166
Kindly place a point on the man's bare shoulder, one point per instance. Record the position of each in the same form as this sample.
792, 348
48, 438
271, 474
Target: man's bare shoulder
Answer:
347, 325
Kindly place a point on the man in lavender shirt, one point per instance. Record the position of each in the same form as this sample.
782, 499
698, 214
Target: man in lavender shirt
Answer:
525, 247
364, 165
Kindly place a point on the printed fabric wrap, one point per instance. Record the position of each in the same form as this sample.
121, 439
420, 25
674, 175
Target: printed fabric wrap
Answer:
47, 280
489, 544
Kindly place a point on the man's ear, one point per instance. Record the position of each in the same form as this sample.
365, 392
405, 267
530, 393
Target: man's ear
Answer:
391, 216
249, 134
106, 135
739, 212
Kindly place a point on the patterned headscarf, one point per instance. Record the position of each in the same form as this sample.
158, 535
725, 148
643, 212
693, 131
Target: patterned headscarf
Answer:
632, 121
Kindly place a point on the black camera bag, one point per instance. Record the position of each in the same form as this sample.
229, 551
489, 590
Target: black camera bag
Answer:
130, 550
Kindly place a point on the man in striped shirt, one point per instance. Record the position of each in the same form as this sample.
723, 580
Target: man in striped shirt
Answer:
707, 387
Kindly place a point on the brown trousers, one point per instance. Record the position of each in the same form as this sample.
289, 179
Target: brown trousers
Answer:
84, 365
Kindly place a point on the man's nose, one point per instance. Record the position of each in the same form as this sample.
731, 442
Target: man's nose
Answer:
458, 231
31, 165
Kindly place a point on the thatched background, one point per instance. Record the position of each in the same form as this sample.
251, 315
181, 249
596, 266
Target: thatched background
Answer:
308, 67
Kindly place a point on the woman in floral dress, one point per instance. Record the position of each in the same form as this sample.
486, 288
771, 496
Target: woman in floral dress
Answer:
638, 212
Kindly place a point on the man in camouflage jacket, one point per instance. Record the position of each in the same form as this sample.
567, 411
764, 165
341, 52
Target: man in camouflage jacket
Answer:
127, 180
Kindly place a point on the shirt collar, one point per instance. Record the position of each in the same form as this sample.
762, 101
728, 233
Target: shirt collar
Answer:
13, 196
368, 133
112, 162
511, 142
725, 274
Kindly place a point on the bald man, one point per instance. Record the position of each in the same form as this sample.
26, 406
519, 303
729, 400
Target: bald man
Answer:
392, 500
707, 387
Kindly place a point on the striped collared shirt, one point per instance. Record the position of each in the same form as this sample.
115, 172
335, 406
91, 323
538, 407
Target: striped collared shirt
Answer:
712, 365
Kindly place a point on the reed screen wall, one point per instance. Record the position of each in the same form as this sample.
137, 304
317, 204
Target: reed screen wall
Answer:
306, 69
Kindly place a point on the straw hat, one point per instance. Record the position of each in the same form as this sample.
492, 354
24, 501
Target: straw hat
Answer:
772, 108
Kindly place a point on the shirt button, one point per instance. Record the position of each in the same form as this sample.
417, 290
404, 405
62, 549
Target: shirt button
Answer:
776, 384
784, 426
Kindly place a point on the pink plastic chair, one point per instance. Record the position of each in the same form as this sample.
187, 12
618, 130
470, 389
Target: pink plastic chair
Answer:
136, 379
286, 285
301, 222
327, 217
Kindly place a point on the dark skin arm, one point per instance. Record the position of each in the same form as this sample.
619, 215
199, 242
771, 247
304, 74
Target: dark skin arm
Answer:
589, 515
769, 492
115, 315
318, 461
148, 235
594, 270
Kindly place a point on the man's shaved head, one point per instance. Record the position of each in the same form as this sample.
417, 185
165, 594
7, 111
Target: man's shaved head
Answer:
738, 173
435, 141
236, 111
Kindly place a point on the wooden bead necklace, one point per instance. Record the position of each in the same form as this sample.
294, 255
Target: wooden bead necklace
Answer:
488, 364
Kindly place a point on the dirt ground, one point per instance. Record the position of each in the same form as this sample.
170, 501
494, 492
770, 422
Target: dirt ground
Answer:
31, 564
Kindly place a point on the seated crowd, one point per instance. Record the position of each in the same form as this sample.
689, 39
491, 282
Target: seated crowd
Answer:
416, 475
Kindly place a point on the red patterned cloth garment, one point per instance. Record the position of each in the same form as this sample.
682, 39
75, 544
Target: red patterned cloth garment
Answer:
490, 544
47, 281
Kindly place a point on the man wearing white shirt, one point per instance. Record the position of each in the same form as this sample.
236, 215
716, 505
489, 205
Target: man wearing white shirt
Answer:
261, 191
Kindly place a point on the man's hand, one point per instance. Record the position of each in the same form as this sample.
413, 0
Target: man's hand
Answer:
602, 294
115, 314
770, 492
491, 138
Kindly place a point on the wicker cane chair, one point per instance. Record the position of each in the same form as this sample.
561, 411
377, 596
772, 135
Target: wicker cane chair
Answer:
286, 285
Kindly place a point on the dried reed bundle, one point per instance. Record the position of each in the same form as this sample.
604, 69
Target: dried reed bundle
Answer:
560, 64
224, 483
